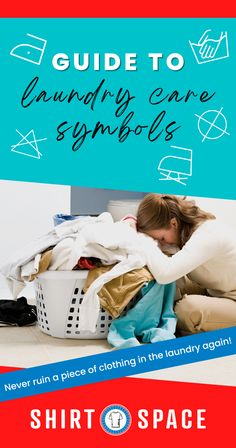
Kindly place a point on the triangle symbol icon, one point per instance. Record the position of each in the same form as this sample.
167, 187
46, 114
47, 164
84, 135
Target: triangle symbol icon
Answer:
28, 145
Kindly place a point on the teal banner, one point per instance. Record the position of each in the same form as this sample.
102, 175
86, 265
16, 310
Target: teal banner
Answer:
132, 104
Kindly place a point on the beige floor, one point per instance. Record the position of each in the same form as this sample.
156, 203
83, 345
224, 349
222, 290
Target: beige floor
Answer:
28, 347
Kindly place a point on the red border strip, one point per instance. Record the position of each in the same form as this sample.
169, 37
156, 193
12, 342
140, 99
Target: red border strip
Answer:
123, 8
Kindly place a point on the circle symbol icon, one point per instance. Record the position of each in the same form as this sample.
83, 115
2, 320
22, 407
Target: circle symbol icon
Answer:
115, 419
212, 124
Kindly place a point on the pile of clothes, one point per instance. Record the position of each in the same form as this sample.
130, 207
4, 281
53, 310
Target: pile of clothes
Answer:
114, 254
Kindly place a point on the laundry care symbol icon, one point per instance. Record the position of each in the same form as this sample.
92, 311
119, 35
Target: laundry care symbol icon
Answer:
208, 49
28, 145
177, 166
28, 52
212, 124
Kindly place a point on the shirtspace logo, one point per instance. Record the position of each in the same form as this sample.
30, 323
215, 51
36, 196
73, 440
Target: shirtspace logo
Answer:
115, 419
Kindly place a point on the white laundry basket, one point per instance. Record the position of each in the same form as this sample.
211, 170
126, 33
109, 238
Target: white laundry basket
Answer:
59, 295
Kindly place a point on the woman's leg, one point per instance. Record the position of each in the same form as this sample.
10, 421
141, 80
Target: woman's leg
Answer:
186, 286
197, 313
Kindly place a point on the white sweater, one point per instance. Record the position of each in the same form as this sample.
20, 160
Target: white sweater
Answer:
208, 258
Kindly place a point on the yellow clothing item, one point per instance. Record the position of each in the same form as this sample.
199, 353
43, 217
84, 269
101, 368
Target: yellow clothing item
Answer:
43, 264
116, 294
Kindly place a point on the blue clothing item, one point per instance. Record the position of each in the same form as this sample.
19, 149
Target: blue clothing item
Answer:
152, 319
59, 218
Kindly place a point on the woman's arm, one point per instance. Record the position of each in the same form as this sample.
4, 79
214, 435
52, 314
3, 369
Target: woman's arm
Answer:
203, 245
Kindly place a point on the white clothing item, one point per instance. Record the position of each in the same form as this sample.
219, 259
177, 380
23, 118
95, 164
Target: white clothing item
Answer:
61, 255
30, 268
15, 287
113, 242
108, 242
75, 226
208, 258
115, 417
11, 268
65, 256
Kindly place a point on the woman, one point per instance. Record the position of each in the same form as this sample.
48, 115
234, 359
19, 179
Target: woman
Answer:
207, 255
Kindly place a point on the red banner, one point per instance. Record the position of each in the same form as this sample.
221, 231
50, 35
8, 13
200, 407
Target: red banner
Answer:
160, 412
107, 8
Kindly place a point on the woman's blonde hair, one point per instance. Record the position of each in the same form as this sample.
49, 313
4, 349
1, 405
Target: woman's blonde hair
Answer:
156, 210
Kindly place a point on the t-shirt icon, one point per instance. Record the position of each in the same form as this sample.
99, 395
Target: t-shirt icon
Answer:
115, 417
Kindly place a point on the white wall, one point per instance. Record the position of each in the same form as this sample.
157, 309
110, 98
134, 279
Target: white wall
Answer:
26, 211
223, 209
